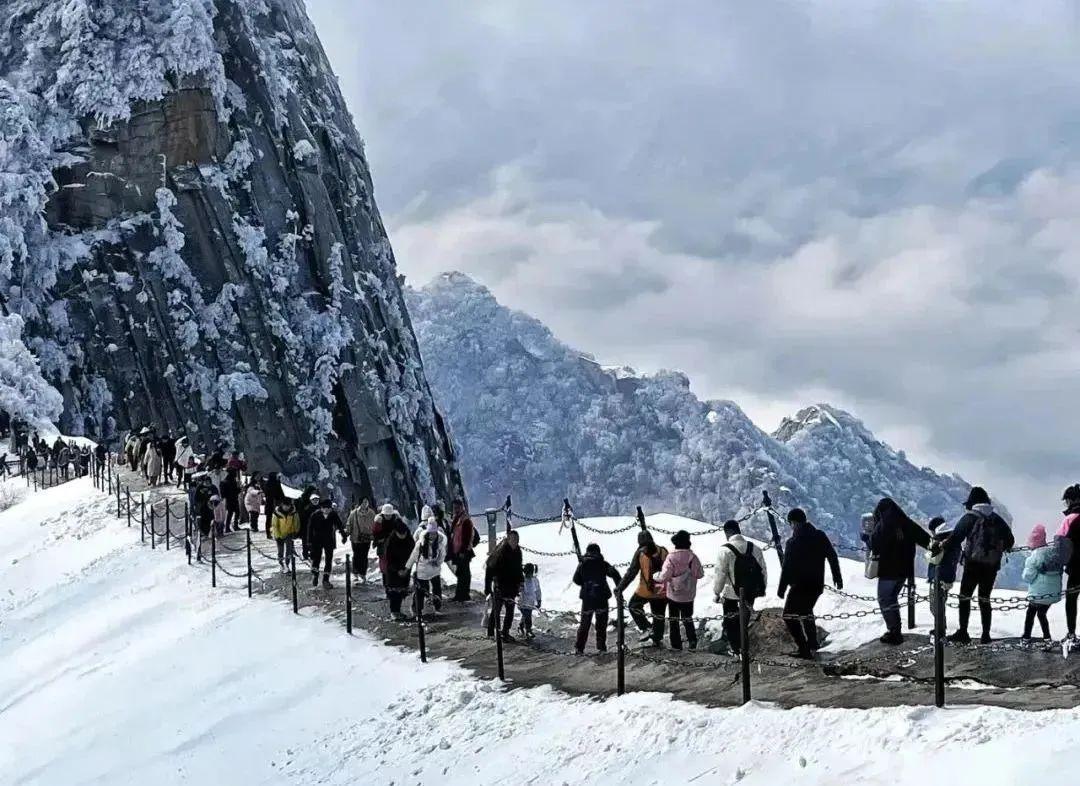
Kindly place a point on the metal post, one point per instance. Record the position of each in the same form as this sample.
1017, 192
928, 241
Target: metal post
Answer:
496, 613
187, 533
348, 591
249, 560
168, 531
911, 604
939, 642
118, 513
492, 516
108, 478
127, 493
153, 526
142, 510
213, 555
620, 636
418, 602
292, 571
744, 643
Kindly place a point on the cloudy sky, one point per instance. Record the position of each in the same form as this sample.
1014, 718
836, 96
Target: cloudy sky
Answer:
875, 204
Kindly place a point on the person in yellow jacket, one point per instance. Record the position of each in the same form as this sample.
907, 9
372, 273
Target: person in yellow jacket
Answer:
646, 564
285, 527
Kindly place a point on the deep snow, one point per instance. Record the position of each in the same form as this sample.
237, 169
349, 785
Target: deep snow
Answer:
122, 665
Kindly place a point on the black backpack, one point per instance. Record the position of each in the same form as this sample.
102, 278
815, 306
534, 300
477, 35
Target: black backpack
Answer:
747, 572
987, 542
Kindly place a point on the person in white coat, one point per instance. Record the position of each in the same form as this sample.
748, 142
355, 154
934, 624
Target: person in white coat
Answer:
425, 563
726, 583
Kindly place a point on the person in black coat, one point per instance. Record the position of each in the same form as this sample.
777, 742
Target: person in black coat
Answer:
273, 495
987, 537
323, 525
893, 540
592, 576
397, 548
230, 492
502, 581
309, 499
803, 571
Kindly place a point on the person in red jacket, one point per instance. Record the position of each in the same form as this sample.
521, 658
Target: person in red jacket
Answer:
462, 541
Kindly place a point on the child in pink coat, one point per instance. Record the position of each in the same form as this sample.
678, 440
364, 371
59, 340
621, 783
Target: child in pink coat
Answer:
679, 577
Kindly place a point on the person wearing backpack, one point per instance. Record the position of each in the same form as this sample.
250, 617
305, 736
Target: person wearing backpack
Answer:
679, 577
463, 541
591, 575
645, 566
986, 538
1042, 572
893, 541
1071, 498
803, 571
740, 566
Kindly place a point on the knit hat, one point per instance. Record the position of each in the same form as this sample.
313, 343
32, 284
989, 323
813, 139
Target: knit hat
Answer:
681, 539
977, 496
936, 522
426, 513
1037, 538
644, 538
593, 550
388, 510
796, 516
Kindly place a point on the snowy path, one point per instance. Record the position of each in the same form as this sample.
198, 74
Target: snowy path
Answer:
123, 666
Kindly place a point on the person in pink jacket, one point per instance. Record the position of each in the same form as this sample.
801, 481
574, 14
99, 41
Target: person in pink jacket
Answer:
679, 577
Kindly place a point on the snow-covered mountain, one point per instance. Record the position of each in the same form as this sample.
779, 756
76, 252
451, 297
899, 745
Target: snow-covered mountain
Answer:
534, 418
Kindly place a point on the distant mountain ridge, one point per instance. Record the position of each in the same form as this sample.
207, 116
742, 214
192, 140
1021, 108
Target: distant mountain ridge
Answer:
539, 420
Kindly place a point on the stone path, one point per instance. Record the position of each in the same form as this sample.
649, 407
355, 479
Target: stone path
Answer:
874, 675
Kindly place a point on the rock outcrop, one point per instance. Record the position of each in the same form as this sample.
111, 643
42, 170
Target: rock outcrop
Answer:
213, 260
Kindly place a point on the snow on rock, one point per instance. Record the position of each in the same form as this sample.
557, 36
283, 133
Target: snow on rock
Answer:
535, 419
182, 188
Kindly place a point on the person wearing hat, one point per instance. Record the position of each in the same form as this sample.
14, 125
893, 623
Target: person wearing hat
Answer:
323, 522
463, 540
221, 513
942, 558
1042, 572
285, 527
803, 571
398, 548
731, 562
645, 565
503, 578
679, 577
592, 576
1071, 498
986, 538
426, 561
359, 526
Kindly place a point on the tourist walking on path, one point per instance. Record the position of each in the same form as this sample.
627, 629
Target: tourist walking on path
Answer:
679, 577
398, 548
803, 573
592, 576
426, 561
740, 565
986, 537
284, 528
253, 503
463, 540
502, 582
1071, 498
273, 494
530, 599
1043, 571
323, 524
230, 492
359, 526
645, 566
893, 541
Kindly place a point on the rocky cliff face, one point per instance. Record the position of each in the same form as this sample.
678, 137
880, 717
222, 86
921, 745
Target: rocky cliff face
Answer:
211, 256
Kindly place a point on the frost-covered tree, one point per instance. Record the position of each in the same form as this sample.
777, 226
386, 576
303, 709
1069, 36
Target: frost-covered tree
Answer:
24, 394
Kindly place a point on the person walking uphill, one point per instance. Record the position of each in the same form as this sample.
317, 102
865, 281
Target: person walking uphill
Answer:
397, 548
679, 577
360, 526
1071, 498
803, 572
323, 522
502, 582
740, 566
1043, 573
645, 566
986, 537
893, 540
591, 575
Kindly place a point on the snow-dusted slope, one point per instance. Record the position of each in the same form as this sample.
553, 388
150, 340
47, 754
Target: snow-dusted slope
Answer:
539, 420
123, 666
